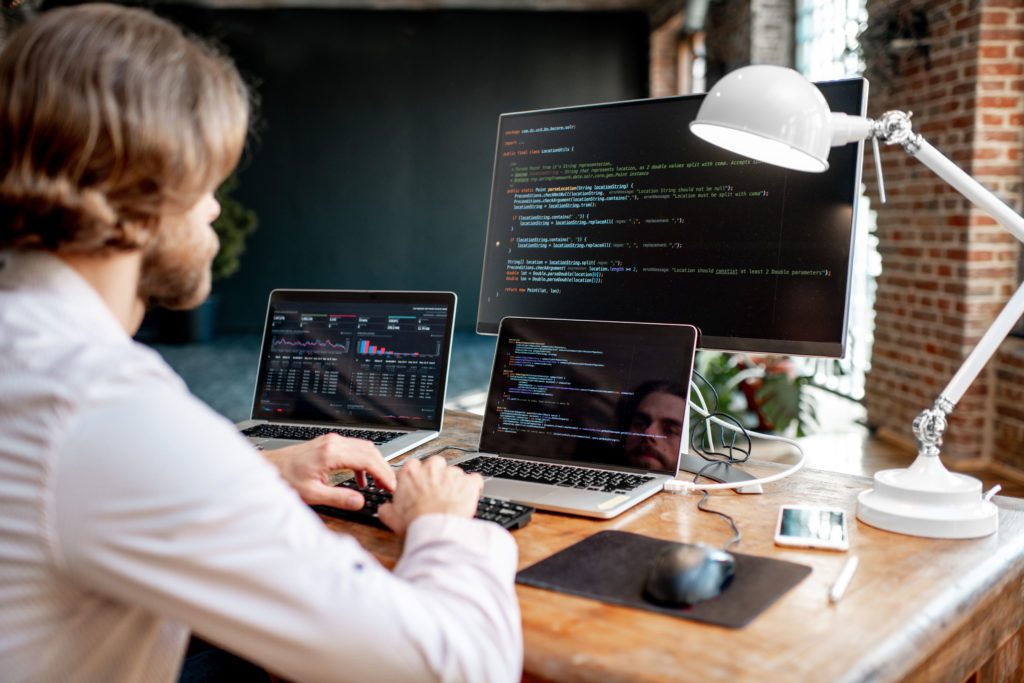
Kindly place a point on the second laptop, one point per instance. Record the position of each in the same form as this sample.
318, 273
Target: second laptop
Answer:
584, 417
366, 364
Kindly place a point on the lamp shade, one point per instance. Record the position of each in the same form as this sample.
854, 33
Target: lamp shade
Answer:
769, 113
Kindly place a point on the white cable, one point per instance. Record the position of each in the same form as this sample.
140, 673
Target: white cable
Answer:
703, 410
684, 486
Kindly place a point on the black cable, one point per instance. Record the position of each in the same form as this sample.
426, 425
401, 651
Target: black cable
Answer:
735, 452
701, 505
709, 385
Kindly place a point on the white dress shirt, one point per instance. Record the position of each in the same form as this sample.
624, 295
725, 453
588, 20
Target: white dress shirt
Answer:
132, 514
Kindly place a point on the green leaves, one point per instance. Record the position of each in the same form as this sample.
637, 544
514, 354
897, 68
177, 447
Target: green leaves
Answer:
783, 401
763, 392
233, 226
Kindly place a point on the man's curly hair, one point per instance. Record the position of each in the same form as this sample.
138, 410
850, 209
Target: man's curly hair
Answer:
110, 118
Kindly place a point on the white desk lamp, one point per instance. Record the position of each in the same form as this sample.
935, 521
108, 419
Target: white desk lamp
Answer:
774, 114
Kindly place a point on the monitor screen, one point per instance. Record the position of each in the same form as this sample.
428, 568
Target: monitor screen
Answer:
618, 212
355, 358
590, 392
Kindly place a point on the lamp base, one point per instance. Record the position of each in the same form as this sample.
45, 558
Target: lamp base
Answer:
927, 500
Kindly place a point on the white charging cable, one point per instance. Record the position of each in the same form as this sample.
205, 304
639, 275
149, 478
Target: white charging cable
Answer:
684, 486
703, 410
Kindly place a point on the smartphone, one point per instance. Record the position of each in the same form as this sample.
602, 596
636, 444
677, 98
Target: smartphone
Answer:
809, 526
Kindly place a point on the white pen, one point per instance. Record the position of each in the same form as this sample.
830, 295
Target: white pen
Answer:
843, 580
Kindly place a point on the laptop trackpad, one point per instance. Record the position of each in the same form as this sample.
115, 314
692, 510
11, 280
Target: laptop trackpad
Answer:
271, 444
515, 490
528, 492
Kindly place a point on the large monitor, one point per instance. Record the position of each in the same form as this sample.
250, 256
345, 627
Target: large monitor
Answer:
617, 212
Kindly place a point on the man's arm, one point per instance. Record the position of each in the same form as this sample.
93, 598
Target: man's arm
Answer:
159, 503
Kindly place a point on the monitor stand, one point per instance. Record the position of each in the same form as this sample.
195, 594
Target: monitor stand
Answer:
718, 471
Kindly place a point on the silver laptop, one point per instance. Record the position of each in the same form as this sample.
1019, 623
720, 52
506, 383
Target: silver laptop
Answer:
371, 365
584, 417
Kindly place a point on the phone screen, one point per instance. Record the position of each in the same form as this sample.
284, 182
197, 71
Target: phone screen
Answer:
824, 525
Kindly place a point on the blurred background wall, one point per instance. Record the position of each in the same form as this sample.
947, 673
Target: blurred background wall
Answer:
371, 167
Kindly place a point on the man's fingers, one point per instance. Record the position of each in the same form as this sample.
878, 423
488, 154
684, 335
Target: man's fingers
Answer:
388, 514
338, 497
410, 468
477, 482
436, 468
358, 455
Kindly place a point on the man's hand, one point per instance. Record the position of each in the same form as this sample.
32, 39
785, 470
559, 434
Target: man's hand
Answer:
308, 467
429, 487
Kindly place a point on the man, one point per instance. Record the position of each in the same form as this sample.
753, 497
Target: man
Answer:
131, 514
653, 419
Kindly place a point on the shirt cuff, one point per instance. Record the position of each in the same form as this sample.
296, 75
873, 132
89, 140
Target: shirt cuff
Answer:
485, 539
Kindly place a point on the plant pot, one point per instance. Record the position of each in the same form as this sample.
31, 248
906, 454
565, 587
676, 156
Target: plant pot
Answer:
199, 324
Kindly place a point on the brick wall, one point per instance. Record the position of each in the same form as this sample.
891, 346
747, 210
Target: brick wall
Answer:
742, 32
947, 268
665, 61
1001, 63
1009, 404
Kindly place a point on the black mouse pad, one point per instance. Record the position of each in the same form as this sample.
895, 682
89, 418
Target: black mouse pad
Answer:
612, 566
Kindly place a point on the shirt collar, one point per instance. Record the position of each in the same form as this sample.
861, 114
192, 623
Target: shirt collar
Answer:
43, 273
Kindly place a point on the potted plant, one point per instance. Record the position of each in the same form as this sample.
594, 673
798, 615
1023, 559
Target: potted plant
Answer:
765, 392
233, 226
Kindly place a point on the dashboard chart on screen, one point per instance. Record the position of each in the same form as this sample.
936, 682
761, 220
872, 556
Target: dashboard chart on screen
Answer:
617, 212
357, 360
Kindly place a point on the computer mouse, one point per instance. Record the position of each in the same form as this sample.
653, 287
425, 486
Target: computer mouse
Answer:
685, 574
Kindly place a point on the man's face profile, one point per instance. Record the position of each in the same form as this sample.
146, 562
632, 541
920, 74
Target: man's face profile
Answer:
176, 266
655, 430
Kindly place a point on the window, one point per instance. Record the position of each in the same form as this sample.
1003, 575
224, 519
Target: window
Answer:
827, 48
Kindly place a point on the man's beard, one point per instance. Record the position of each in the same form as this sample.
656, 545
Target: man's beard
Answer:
176, 270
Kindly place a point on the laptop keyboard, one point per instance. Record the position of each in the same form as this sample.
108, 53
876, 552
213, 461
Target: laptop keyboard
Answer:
566, 476
270, 431
507, 514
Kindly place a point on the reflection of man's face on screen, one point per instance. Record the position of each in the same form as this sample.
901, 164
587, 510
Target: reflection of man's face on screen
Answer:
655, 430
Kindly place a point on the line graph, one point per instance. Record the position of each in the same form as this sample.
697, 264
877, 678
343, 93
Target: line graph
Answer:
311, 344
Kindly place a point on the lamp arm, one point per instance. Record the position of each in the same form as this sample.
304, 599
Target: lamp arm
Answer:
970, 188
930, 424
981, 197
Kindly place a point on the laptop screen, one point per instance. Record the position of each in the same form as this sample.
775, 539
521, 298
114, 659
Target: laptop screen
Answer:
355, 358
590, 392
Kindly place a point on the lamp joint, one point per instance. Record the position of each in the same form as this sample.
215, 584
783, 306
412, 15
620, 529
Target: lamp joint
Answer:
929, 427
894, 128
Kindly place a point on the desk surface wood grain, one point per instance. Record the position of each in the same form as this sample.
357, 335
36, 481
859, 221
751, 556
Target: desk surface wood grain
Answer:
917, 609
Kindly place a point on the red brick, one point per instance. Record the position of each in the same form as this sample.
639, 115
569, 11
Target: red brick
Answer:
1009, 171
999, 136
998, 34
995, 19
1003, 69
993, 52
994, 87
998, 102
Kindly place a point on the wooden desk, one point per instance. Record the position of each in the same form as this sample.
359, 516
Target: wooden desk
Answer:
917, 609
